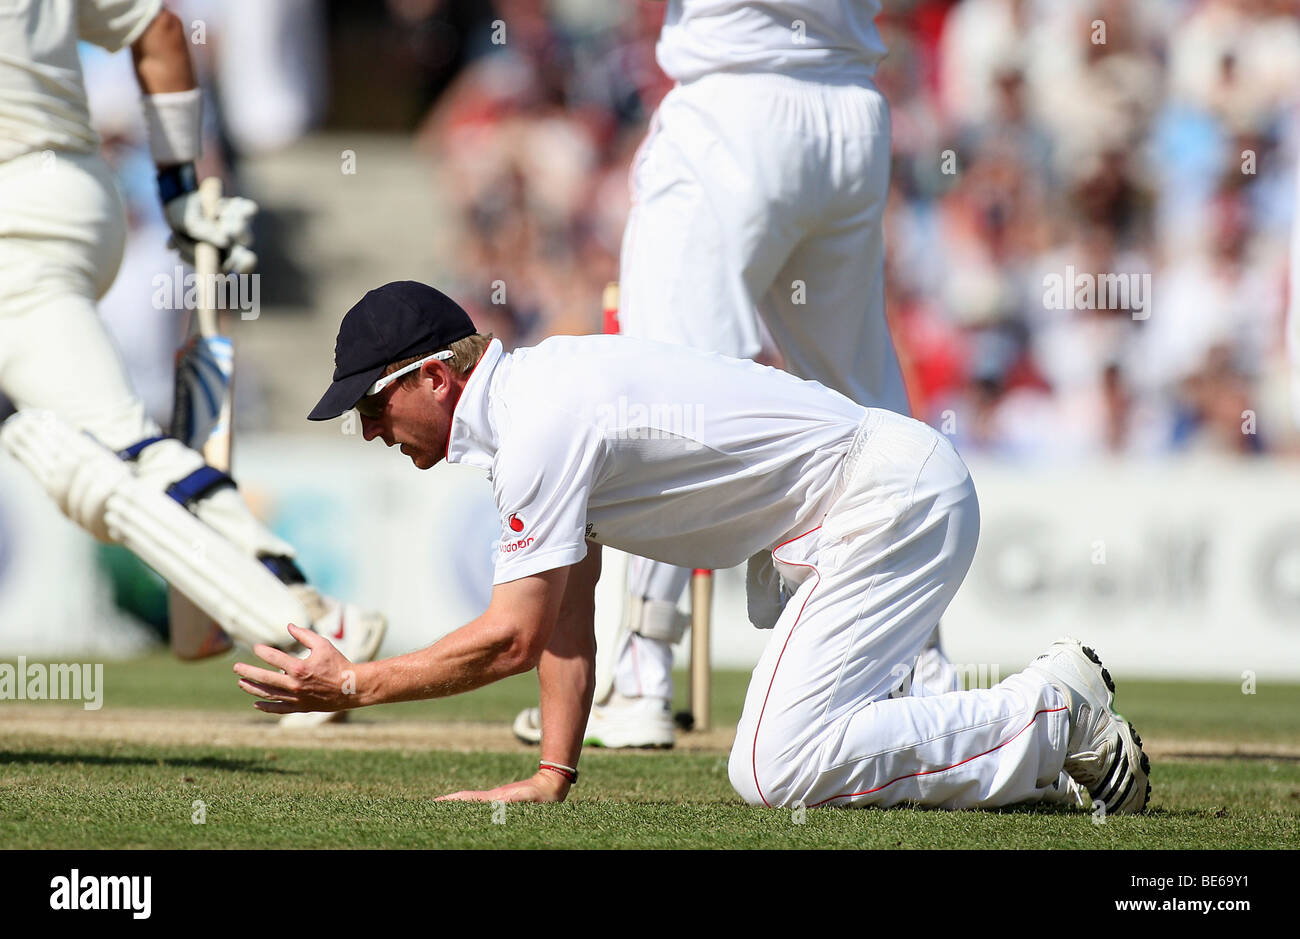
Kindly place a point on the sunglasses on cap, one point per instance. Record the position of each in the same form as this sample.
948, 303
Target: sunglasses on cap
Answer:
387, 380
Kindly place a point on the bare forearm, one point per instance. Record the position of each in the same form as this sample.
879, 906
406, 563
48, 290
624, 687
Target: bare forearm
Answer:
162, 57
473, 656
567, 683
566, 670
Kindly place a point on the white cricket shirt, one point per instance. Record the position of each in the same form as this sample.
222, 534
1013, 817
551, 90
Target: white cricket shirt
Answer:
42, 97
824, 39
660, 450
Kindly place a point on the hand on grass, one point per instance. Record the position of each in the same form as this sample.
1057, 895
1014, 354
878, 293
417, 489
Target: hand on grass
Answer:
544, 786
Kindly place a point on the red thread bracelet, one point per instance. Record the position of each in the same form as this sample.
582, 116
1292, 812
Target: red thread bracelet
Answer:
568, 772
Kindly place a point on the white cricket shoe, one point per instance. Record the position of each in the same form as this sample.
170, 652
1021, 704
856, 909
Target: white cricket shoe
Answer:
355, 632
1105, 752
619, 723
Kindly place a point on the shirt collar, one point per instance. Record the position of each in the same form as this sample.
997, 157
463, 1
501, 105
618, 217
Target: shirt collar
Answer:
473, 439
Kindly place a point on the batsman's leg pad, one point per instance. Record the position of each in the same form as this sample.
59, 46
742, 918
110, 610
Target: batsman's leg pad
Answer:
168, 464
96, 488
657, 619
236, 590
75, 469
638, 660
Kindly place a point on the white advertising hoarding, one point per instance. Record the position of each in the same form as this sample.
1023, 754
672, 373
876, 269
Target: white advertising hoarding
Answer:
1171, 569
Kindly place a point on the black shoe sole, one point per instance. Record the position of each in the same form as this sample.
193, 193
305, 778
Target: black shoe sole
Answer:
1145, 762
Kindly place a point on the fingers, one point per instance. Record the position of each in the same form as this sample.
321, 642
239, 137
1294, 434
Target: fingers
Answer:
522, 791
273, 656
466, 796
277, 680
239, 260
298, 686
231, 226
268, 692
280, 707
309, 638
198, 226
236, 217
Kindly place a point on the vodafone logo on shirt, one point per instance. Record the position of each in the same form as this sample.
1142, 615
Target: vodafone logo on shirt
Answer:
516, 525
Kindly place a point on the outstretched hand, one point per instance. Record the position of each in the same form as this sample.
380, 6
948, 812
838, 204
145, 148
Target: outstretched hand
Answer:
323, 681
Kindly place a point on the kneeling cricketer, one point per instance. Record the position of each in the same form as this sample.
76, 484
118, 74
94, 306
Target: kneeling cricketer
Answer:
869, 520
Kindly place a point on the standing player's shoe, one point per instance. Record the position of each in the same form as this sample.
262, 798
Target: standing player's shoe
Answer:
1105, 752
619, 723
355, 632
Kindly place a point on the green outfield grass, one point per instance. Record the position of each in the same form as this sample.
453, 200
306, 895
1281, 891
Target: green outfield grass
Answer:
62, 792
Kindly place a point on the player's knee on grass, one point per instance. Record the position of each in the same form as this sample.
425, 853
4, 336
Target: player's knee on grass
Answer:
761, 784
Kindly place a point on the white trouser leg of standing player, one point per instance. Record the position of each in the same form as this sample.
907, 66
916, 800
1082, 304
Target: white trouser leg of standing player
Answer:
1293, 310
755, 194
62, 231
819, 726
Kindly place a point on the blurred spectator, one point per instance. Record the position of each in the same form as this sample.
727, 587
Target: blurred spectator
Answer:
534, 139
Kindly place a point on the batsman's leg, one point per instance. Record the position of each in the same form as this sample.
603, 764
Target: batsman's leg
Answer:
65, 226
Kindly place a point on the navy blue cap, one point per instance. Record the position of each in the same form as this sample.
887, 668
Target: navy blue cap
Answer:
390, 323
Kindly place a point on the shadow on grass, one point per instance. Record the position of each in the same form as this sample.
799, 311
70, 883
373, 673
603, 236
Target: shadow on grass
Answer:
206, 762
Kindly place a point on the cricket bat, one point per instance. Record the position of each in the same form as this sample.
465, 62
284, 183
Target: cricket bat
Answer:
202, 419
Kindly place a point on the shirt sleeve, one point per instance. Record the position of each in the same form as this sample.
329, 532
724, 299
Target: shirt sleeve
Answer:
542, 481
114, 24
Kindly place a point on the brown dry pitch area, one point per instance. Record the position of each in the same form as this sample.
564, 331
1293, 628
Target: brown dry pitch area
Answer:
224, 729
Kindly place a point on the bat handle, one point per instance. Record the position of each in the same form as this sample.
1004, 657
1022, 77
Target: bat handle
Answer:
207, 260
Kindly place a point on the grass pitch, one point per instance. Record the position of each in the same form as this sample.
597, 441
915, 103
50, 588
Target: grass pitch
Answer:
177, 758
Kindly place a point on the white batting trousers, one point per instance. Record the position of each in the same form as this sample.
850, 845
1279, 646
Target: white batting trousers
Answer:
819, 726
758, 203
62, 234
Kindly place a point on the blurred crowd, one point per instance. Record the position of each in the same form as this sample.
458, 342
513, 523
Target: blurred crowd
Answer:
1034, 141
1152, 139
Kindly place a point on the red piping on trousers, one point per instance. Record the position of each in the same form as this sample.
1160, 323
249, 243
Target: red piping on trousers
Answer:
753, 756
930, 772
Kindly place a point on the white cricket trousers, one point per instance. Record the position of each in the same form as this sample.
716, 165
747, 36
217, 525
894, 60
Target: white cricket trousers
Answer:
819, 725
62, 234
758, 203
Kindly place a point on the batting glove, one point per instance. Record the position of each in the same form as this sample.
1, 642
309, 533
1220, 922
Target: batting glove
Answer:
231, 231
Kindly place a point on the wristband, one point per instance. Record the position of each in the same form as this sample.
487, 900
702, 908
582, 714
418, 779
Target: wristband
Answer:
173, 120
568, 772
177, 181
